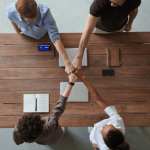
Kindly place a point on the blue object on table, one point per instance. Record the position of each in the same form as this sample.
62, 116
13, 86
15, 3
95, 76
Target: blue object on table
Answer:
44, 47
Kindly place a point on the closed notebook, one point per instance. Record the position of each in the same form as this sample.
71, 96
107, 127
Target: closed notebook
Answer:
72, 52
113, 57
36, 103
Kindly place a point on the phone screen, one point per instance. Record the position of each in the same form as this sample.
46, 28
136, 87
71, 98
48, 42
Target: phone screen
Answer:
44, 47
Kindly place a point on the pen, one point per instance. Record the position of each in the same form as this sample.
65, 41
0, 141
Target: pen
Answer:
36, 104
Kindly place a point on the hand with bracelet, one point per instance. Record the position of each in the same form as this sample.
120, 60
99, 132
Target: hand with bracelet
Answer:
72, 79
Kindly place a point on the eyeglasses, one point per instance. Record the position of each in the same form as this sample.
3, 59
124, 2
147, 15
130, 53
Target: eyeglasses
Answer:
117, 4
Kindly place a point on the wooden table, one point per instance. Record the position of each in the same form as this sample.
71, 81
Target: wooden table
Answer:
24, 70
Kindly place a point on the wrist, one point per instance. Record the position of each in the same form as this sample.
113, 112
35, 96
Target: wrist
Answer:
83, 77
71, 83
67, 62
79, 57
129, 23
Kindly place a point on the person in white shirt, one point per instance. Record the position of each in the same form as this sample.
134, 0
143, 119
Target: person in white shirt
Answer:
107, 134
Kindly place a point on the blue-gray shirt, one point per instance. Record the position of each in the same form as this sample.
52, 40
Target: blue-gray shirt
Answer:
44, 23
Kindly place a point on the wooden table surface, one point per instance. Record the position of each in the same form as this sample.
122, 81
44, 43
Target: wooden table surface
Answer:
25, 70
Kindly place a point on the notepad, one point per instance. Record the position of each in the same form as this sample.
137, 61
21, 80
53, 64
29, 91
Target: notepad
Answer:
36, 103
72, 52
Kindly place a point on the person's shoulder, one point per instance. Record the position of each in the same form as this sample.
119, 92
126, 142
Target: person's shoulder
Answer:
135, 4
136, 1
101, 3
43, 8
11, 7
11, 11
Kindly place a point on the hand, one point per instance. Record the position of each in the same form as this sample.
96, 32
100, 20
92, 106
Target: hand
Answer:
128, 27
69, 68
80, 74
72, 78
77, 63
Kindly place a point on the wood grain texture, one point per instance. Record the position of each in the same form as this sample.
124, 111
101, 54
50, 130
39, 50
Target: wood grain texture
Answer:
96, 49
126, 60
54, 84
53, 61
125, 49
23, 50
25, 70
131, 37
108, 95
83, 120
82, 108
29, 62
54, 73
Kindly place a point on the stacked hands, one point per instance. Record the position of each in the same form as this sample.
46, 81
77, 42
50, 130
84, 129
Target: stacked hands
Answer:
76, 64
74, 76
74, 70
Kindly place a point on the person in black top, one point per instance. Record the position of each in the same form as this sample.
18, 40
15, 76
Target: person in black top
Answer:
107, 16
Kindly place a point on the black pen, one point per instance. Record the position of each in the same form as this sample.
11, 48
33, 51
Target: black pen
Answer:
36, 104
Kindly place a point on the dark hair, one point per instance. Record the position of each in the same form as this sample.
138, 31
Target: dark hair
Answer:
30, 126
27, 8
115, 140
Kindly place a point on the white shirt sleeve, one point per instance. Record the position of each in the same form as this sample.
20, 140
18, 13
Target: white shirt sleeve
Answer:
110, 110
115, 118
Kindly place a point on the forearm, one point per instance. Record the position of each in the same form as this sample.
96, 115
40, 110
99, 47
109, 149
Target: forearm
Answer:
132, 16
59, 108
16, 27
89, 26
94, 93
61, 50
67, 91
83, 42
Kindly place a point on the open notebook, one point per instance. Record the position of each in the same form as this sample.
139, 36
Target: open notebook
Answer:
72, 52
36, 103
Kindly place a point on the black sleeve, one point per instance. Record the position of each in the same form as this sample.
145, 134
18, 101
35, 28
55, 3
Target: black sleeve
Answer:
94, 9
59, 109
135, 4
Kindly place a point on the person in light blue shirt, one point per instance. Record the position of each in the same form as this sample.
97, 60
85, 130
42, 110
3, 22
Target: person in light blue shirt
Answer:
35, 20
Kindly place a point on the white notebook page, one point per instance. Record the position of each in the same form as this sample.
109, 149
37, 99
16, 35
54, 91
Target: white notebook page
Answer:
29, 103
42, 102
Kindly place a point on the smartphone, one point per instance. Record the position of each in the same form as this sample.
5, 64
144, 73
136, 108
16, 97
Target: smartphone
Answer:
109, 72
46, 47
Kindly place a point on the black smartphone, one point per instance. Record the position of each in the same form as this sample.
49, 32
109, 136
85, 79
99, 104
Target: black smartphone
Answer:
109, 72
46, 47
